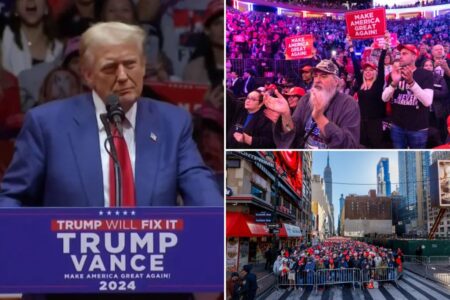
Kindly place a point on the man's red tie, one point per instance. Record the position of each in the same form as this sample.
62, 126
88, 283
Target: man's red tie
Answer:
128, 199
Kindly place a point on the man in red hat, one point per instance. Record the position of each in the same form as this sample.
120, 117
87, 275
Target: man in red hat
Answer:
410, 92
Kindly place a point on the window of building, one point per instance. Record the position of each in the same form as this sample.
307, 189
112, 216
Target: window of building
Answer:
258, 192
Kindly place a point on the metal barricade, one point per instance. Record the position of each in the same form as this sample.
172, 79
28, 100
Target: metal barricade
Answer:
439, 260
338, 276
298, 279
379, 274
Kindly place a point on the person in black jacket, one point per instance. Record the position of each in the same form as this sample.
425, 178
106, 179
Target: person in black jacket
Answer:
369, 88
249, 284
250, 128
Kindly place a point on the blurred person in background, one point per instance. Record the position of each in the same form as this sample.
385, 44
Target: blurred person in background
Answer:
29, 38
60, 83
76, 19
441, 99
206, 65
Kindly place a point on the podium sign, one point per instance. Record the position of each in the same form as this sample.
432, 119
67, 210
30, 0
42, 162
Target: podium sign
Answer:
102, 250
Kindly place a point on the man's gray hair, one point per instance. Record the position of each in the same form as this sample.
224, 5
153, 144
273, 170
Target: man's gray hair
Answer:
110, 34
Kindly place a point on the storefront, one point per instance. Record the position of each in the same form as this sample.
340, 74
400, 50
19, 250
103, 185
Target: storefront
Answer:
290, 235
246, 240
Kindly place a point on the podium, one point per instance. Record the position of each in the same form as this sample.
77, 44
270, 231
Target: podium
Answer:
105, 250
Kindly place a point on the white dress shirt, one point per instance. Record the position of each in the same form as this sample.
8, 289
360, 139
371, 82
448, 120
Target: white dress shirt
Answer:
129, 126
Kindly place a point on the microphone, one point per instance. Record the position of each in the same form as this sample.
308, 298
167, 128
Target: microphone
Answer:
115, 112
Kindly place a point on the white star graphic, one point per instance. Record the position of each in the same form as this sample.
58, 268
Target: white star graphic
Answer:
101, 213
109, 212
133, 213
125, 213
117, 213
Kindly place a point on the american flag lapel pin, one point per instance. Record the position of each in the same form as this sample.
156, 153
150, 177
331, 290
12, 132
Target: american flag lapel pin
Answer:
153, 136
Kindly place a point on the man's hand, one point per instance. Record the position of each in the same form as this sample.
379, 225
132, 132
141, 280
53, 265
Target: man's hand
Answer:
248, 139
271, 115
396, 76
387, 40
318, 103
407, 74
443, 64
348, 41
239, 137
278, 104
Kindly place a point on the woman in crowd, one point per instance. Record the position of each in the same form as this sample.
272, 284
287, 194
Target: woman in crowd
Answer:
29, 39
250, 128
206, 65
369, 88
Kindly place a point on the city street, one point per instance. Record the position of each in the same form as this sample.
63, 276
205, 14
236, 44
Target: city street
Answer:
410, 286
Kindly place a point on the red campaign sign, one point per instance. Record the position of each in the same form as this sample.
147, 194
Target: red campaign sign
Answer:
299, 46
378, 42
188, 95
366, 24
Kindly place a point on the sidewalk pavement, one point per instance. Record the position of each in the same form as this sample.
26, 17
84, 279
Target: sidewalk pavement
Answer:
265, 279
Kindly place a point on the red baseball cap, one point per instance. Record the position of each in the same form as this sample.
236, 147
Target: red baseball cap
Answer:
307, 68
409, 47
370, 65
296, 91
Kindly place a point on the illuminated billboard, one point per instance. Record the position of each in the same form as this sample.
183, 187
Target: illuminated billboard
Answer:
440, 183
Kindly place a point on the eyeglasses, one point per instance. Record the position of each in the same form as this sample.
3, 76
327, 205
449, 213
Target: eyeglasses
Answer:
321, 75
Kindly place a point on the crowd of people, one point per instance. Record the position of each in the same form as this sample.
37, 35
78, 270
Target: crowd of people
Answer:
335, 4
40, 59
393, 96
295, 266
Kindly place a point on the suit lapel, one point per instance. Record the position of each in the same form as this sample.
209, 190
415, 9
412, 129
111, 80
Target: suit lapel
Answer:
148, 137
84, 137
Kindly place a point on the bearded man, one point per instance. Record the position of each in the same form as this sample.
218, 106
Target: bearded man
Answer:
324, 118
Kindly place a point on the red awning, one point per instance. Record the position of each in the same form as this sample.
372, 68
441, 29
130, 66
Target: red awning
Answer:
242, 225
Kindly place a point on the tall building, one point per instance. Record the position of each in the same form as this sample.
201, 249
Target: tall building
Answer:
383, 177
444, 226
307, 192
341, 206
414, 187
321, 209
328, 178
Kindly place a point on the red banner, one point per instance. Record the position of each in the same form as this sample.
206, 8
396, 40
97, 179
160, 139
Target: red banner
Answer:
366, 24
187, 95
379, 41
299, 46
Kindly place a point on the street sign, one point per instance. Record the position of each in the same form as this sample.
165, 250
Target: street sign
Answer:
263, 220
264, 214
274, 226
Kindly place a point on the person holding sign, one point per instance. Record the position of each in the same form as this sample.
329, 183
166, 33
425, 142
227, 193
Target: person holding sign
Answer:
324, 118
369, 87
410, 91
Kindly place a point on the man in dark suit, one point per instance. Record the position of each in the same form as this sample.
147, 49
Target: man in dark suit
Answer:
249, 82
60, 158
237, 84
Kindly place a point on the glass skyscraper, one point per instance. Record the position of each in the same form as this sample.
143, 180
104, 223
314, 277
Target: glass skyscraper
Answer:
383, 177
